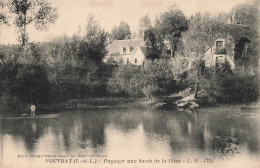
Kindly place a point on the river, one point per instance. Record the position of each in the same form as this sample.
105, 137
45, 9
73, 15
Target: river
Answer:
134, 137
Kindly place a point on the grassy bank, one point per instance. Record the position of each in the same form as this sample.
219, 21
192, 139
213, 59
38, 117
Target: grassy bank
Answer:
91, 103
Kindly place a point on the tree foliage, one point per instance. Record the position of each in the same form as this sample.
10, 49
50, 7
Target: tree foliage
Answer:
152, 49
121, 32
203, 29
27, 12
248, 14
3, 17
170, 26
95, 38
153, 79
225, 85
144, 24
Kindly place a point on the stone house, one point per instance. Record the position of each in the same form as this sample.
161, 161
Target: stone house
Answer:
231, 46
125, 52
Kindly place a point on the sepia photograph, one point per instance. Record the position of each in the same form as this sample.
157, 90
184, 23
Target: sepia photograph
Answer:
129, 84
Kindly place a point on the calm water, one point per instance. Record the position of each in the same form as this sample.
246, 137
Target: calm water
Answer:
131, 134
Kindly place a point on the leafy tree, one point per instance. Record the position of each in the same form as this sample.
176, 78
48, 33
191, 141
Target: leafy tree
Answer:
27, 12
248, 14
245, 14
170, 25
144, 24
121, 32
95, 38
151, 44
3, 17
202, 31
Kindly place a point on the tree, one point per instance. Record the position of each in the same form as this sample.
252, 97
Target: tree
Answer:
170, 25
95, 39
202, 31
121, 32
27, 12
151, 44
247, 14
144, 24
3, 17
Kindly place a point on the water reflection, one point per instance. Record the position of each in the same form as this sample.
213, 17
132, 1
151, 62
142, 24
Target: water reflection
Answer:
117, 131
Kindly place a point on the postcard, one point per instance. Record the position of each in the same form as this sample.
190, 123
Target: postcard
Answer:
129, 84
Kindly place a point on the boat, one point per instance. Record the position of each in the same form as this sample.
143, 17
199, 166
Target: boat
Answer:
182, 104
23, 116
159, 104
193, 105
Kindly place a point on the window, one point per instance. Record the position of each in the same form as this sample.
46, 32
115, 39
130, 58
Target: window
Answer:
127, 60
220, 47
136, 60
131, 49
220, 59
124, 50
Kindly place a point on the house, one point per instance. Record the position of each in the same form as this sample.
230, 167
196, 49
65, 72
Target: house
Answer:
125, 52
139, 56
230, 46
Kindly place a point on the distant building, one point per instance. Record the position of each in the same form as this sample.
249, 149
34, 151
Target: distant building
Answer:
229, 46
126, 52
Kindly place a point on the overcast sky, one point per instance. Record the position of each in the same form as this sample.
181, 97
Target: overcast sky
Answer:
73, 13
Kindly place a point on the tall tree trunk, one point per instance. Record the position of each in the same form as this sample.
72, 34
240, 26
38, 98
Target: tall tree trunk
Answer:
196, 90
24, 32
173, 48
24, 40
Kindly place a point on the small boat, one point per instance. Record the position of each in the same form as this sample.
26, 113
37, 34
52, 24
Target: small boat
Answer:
159, 104
193, 105
182, 104
40, 116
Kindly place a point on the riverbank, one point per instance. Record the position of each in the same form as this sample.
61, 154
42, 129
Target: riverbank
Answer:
92, 103
121, 102
118, 102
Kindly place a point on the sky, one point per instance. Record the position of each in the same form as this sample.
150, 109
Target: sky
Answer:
73, 13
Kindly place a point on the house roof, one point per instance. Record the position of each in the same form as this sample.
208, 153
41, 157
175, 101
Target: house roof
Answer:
238, 32
116, 46
144, 51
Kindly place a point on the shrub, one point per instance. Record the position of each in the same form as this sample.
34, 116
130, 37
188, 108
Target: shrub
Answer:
155, 78
29, 83
150, 91
126, 79
229, 86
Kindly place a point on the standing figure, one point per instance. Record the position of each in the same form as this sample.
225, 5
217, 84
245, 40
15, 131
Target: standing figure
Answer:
33, 109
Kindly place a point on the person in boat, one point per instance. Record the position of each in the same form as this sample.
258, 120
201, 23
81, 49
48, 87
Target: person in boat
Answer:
33, 109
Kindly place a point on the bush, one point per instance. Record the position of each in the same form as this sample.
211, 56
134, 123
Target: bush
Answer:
229, 86
23, 84
150, 91
126, 79
155, 78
